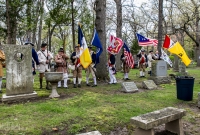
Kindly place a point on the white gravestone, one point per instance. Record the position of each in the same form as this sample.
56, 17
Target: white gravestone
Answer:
129, 87
19, 78
149, 84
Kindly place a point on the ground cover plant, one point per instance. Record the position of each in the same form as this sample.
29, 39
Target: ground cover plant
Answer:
104, 108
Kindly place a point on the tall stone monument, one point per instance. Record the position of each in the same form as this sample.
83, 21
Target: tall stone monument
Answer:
159, 72
19, 79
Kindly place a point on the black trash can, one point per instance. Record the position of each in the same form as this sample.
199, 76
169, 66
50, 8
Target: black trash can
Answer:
184, 87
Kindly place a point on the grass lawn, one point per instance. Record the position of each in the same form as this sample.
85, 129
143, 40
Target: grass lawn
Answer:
85, 109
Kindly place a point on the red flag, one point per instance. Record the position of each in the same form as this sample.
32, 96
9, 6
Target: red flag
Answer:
115, 45
168, 42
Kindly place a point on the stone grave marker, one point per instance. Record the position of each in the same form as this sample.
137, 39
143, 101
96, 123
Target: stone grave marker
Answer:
129, 87
19, 78
149, 84
91, 133
159, 72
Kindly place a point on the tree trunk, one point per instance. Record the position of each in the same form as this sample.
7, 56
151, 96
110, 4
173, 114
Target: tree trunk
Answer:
73, 31
118, 31
100, 27
40, 25
160, 26
11, 22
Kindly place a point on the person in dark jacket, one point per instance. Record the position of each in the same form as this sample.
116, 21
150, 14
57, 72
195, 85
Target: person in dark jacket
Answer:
35, 59
91, 68
111, 68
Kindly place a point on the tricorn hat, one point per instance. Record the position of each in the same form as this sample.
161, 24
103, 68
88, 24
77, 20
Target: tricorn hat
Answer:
28, 43
61, 50
77, 46
150, 51
43, 45
142, 50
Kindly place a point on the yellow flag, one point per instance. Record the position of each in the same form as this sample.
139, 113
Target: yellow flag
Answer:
178, 50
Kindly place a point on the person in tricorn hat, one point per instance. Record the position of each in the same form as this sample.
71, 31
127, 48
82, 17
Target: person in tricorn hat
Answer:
111, 68
91, 68
142, 62
34, 59
61, 62
2, 59
126, 68
44, 60
150, 60
77, 72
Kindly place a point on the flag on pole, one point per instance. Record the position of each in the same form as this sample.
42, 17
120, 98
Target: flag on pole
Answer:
96, 42
128, 55
143, 41
85, 58
115, 45
178, 50
166, 58
167, 42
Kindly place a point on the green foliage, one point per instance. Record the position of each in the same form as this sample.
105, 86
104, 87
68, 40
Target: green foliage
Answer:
171, 57
135, 47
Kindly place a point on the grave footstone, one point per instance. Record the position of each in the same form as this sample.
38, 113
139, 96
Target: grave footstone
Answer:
19, 79
159, 72
149, 84
91, 133
129, 87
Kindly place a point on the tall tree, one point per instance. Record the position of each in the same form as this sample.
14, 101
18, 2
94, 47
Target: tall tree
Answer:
100, 8
118, 30
160, 26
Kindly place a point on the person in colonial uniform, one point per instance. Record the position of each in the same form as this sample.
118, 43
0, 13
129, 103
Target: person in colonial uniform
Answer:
44, 57
111, 68
126, 68
2, 59
91, 68
77, 71
150, 60
35, 59
142, 62
61, 62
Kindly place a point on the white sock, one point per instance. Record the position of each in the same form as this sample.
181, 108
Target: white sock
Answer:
59, 84
74, 80
141, 73
124, 75
95, 81
79, 80
87, 80
65, 83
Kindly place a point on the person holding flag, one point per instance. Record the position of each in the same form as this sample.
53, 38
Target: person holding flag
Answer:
95, 58
142, 62
77, 71
91, 68
127, 60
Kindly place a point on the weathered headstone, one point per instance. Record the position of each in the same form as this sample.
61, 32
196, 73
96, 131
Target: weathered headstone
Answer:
91, 133
19, 81
159, 72
199, 99
149, 84
129, 87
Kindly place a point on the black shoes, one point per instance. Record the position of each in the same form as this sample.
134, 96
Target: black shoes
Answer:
94, 85
74, 85
79, 85
87, 84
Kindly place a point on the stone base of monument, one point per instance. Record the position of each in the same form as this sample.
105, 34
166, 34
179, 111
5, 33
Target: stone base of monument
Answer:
54, 93
160, 79
18, 97
91, 133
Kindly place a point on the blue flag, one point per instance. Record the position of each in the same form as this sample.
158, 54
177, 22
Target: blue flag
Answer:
97, 43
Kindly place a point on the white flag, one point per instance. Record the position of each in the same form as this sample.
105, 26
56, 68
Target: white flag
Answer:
166, 58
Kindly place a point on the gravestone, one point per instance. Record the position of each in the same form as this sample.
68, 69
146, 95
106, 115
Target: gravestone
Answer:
159, 72
19, 78
149, 84
91, 133
129, 87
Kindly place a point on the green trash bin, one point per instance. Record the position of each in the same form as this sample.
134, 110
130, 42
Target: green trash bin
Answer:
184, 87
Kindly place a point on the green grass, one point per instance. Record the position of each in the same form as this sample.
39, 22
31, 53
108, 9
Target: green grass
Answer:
80, 110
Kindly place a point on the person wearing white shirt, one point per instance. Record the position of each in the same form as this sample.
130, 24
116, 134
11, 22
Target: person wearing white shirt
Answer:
44, 57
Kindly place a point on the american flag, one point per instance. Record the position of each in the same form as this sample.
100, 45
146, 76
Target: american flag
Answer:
143, 41
128, 55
